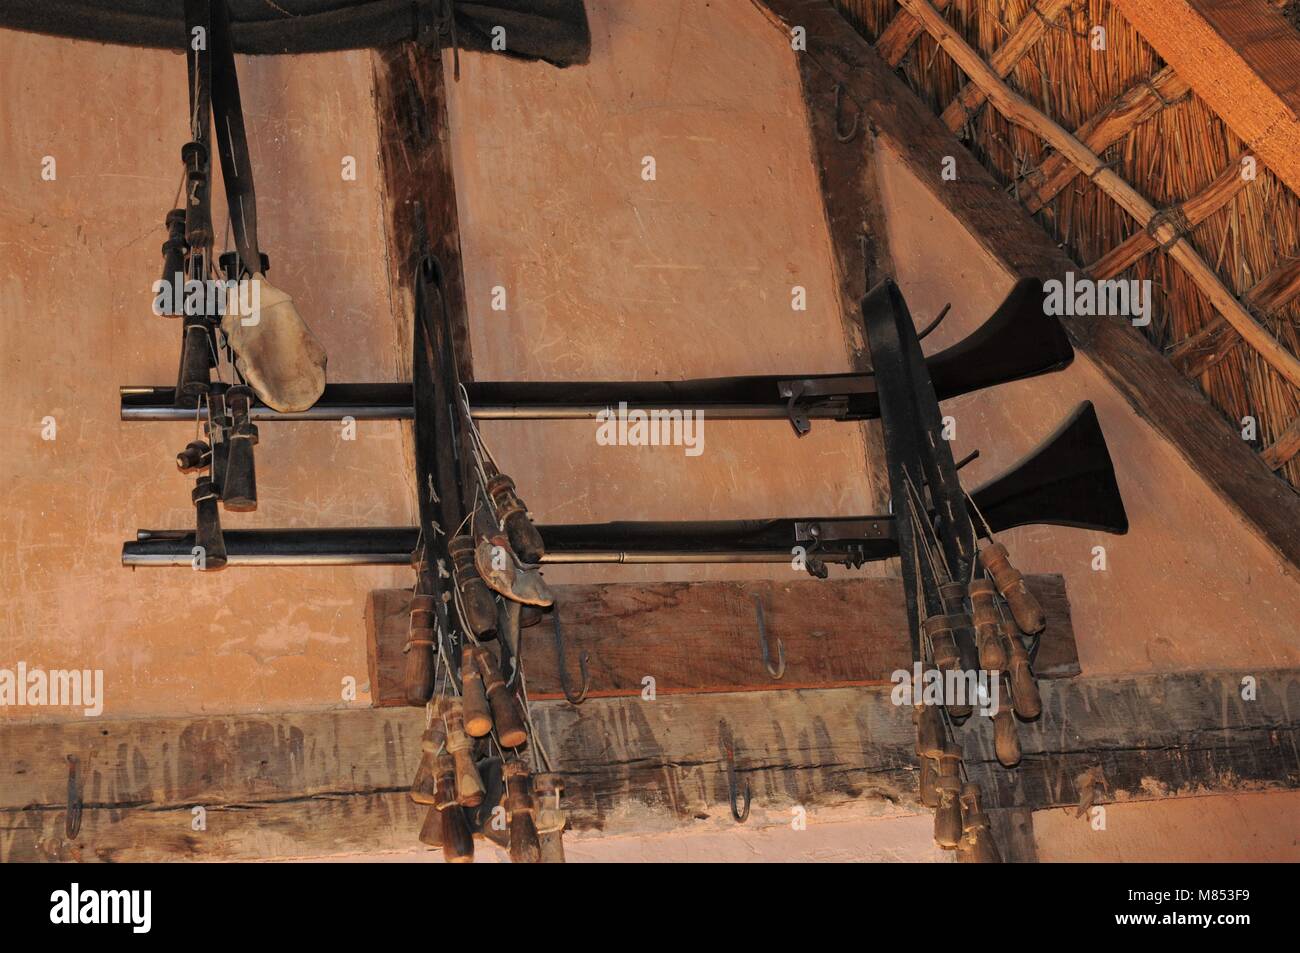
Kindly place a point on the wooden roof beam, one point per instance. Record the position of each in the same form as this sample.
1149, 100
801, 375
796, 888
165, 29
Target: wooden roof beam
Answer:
1240, 57
1284, 448
808, 748
897, 38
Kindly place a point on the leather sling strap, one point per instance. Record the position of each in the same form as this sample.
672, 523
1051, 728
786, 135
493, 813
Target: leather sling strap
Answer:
198, 191
232, 143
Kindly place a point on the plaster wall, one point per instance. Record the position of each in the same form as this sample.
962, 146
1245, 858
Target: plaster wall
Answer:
610, 276
78, 256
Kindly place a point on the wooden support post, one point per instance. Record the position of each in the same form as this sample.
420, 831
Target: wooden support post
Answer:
1193, 211
899, 35
1112, 123
1003, 60
1018, 110
1240, 57
1153, 388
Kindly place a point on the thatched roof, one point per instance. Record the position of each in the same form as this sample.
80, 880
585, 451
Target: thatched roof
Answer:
1171, 147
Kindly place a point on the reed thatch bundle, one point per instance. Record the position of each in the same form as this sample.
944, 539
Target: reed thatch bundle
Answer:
1168, 158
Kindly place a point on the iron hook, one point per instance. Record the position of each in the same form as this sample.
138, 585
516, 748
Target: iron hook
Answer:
740, 814
569, 696
853, 129
779, 671
72, 822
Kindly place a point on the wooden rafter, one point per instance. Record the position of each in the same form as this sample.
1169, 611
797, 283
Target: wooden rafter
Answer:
1178, 247
899, 35
1029, 31
1241, 57
1193, 211
1197, 353
1112, 123
1284, 448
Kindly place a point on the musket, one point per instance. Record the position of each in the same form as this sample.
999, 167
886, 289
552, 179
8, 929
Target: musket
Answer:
1069, 480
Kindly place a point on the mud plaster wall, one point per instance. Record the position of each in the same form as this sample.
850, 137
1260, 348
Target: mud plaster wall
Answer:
608, 276
612, 277
1247, 828
1190, 587
78, 256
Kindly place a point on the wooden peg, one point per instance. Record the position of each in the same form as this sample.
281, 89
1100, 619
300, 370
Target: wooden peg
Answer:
505, 712
1024, 688
521, 812
474, 703
476, 598
984, 608
431, 829
939, 629
457, 841
1025, 608
524, 538
424, 787
1006, 736
947, 816
469, 786
977, 837
952, 595
418, 678
551, 819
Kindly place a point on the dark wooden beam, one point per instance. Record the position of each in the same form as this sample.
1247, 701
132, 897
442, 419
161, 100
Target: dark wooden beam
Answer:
415, 156
321, 783
1154, 389
697, 637
854, 218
